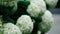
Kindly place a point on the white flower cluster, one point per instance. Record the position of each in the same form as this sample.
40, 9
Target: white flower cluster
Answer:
25, 24
28, 16
10, 28
47, 21
36, 8
51, 3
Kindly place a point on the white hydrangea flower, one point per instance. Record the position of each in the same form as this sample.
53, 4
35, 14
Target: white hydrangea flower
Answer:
36, 8
51, 3
25, 24
10, 28
47, 21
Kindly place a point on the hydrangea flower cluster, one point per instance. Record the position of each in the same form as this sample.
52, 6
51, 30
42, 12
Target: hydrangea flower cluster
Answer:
26, 16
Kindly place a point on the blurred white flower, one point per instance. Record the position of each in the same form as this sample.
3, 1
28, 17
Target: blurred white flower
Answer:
51, 3
47, 21
25, 24
36, 8
10, 28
